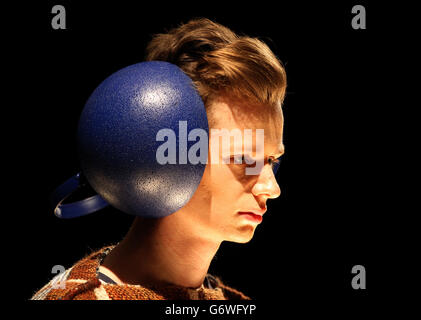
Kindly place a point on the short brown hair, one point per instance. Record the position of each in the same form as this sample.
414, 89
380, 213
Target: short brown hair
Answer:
219, 61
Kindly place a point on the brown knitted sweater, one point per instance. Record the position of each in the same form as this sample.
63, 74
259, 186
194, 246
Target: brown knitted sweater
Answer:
81, 282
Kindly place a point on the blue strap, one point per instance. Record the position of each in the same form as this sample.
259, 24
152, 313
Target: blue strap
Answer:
78, 208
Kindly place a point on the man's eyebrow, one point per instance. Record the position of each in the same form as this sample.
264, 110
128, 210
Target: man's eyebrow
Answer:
281, 151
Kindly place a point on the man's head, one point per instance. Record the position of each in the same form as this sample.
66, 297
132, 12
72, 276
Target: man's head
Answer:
242, 84
222, 63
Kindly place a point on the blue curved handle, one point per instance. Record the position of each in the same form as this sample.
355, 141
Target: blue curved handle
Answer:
78, 208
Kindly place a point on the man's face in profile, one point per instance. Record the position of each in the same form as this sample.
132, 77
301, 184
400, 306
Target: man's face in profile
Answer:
229, 203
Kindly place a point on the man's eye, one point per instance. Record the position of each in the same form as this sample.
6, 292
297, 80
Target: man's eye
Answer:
274, 163
239, 159
242, 160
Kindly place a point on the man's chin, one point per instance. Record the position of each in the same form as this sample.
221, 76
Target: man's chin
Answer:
243, 235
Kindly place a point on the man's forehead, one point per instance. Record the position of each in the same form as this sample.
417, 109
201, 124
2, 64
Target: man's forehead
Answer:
231, 113
241, 116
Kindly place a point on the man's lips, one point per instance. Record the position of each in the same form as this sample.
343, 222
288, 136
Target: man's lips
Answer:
259, 212
253, 215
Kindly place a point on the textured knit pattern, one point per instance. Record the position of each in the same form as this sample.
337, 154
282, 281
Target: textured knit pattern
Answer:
80, 282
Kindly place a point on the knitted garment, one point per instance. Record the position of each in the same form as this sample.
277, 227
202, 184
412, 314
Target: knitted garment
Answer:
81, 282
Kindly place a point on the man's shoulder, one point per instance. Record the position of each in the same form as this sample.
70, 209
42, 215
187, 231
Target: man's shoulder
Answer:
81, 282
68, 284
228, 292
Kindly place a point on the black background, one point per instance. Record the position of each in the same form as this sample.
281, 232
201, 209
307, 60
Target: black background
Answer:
334, 177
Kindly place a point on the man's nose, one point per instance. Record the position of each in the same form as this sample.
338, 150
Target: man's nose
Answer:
266, 184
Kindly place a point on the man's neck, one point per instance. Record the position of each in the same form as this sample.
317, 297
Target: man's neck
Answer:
160, 251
